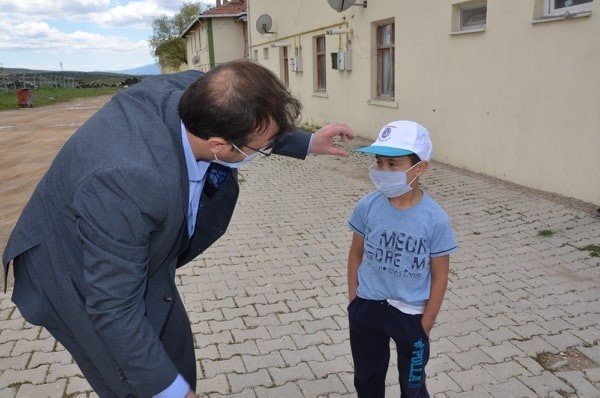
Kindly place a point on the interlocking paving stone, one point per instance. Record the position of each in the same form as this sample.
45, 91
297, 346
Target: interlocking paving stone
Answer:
48, 390
577, 379
222, 366
77, 385
545, 383
8, 392
11, 377
286, 390
322, 387
292, 373
268, 302
441, 383
503, 351
468, 379
217, 384
255, 362
511, 388
240, 382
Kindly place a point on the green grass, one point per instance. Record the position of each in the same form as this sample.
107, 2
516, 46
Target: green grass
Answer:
48, 96
593, 249
545, 232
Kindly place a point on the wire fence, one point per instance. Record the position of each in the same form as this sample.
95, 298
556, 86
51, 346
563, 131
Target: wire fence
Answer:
11, 82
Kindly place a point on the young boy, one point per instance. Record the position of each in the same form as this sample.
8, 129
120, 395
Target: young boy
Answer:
397, 264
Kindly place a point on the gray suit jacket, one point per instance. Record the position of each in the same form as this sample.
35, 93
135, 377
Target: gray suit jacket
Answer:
105, 229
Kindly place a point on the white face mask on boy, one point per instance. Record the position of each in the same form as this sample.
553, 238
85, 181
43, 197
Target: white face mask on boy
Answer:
391, 183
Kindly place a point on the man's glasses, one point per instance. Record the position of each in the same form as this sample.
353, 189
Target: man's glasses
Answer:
265, 150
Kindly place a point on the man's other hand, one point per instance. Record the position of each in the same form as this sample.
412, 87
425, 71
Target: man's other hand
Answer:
322, 140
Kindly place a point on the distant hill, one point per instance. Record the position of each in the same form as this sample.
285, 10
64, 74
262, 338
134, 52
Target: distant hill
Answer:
151, 69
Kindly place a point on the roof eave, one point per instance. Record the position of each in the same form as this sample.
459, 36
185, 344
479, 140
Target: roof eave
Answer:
189, 27
240, 14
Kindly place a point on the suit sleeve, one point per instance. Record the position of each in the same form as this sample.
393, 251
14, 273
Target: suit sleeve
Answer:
295, 144
116, 212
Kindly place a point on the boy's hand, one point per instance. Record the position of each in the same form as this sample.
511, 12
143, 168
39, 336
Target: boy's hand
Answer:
427, 325
191, 394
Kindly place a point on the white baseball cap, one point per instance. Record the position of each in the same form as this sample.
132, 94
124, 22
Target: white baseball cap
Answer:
401, 138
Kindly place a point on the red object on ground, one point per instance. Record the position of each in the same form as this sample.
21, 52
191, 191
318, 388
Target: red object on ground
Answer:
24, 97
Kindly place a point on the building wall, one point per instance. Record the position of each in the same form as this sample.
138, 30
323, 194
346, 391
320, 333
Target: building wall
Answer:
197, 46
518, 101
228, 35
228, 41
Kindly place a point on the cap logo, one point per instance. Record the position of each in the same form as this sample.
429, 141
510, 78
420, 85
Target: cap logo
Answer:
385, 134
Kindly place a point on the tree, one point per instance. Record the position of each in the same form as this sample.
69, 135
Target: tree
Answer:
167, 47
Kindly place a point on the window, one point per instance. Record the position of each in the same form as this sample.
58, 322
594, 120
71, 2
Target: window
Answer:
255, 55
471, 16
321, 80
385, 61
285, 68
266, 53
561, 7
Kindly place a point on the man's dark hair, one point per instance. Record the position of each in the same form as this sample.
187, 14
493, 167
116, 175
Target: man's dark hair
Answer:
236, 99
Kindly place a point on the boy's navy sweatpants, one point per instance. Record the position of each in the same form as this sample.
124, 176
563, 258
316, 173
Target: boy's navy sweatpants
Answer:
372, 324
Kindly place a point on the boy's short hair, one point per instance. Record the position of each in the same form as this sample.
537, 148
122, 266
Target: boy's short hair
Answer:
401, 138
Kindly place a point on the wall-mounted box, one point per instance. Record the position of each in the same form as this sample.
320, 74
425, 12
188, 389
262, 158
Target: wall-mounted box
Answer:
295, 64
344, 59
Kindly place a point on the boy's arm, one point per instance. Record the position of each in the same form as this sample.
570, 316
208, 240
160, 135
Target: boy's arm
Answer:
439, 282
354, 258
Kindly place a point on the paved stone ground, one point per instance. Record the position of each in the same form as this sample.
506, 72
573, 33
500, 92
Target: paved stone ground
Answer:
268, 302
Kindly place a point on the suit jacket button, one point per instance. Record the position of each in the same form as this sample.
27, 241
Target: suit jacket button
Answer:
167, 298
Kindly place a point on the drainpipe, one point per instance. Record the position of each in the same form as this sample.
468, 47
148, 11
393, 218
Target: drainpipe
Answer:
211, 44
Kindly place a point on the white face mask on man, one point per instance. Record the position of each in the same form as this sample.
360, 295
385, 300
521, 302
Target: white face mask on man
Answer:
391, 183
234, 165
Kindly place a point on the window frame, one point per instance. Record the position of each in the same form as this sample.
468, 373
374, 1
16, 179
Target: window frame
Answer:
380, 49
550, 9
320, 65
468, 7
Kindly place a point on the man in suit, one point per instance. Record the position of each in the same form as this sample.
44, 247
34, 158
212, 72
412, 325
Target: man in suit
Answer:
143, 187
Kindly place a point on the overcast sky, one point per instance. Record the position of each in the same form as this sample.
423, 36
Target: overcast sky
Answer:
84, 35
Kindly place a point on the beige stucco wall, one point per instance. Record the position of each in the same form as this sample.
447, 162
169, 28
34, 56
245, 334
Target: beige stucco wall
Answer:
519, 101
228, 36
197, 45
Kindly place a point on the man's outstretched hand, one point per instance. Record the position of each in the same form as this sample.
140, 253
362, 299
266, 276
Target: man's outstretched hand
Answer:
322, 140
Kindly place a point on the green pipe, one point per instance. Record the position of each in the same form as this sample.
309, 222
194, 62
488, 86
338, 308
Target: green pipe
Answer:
211, 44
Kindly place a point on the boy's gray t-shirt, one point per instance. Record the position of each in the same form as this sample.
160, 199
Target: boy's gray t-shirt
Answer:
398, 247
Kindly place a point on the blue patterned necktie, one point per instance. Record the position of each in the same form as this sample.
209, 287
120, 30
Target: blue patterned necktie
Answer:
217, 174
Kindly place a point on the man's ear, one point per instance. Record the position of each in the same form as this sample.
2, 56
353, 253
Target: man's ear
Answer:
216, 144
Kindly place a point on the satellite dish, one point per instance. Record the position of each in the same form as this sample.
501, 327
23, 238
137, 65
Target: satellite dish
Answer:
343, 5
340, 5
264, 24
